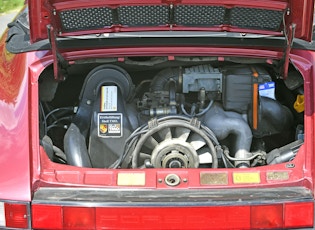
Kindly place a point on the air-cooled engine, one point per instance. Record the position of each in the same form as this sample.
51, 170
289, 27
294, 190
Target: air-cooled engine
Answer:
185, 117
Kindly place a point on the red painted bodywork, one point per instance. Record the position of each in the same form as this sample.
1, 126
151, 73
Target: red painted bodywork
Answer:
19, 122
15, 177
25, 166
45, 172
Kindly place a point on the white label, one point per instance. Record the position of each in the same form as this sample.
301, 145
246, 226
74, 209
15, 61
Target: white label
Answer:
267, 90
109, 99
205, 158
131, 179
2, 215
110, 125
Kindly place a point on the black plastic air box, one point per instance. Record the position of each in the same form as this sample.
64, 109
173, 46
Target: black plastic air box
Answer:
238, 83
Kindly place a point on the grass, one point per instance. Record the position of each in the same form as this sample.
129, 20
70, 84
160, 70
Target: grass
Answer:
7, 6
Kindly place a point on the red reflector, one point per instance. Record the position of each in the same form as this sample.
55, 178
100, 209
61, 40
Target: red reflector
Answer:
78, 218
273, 216
136, 218
266, 216
299, 215
16, 215
46, 216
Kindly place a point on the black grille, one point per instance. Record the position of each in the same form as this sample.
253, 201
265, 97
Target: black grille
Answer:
256, 18
162, 15
143, 15
199, 15
89, 18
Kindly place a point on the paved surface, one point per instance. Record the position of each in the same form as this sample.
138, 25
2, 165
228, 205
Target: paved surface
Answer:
4, 20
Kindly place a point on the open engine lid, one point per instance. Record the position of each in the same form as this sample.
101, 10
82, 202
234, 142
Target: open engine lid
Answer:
82, 17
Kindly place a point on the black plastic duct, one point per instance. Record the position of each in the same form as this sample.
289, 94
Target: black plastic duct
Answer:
76, 136
273, 118
225, 123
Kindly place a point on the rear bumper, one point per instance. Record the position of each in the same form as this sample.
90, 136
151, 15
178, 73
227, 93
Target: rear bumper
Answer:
288, 207
209, 197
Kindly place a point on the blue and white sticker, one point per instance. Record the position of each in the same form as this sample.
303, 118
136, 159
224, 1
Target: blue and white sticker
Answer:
267, 89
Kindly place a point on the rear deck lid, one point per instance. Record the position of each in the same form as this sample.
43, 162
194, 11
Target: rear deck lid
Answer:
76, 18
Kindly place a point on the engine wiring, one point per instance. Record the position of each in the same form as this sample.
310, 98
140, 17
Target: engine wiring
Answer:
134, 138
56, 121
193, 114
56, 118
173, 117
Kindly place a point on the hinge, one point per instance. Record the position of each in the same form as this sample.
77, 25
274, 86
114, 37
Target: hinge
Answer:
60, 64
289, 36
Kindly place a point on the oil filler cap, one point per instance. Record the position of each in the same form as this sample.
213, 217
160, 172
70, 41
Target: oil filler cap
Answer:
299, 103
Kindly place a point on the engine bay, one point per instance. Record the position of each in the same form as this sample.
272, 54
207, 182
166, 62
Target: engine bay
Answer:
191, 112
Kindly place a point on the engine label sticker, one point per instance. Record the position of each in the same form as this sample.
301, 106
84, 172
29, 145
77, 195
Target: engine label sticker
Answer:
109, 98
267, 89
110, 125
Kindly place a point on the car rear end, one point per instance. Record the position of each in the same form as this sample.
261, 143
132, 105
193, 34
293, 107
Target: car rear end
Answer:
175, 120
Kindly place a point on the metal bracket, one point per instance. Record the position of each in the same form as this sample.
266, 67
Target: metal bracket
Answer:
60, 64
286, 56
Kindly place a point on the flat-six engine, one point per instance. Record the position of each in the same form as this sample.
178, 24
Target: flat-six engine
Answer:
182, 117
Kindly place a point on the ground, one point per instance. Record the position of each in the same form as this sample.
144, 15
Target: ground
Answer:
5, 19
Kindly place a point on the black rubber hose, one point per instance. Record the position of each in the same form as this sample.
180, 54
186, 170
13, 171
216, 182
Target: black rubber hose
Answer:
162, 78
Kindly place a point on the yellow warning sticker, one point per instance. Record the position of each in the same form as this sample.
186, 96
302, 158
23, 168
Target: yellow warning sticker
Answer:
131, 179
109, 99
246, 178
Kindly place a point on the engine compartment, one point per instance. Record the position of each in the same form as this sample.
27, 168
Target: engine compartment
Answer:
192, 112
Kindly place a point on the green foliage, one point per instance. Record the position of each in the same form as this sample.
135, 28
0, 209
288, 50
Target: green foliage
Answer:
10, 5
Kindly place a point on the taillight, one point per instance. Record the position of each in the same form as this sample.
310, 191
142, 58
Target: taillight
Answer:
264, 216
58, 217
14, 215
78, 218
299, 215
47, 217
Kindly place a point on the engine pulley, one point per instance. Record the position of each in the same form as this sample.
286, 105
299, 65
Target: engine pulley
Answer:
174, 153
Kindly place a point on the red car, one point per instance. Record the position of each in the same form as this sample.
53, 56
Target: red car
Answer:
172, 114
